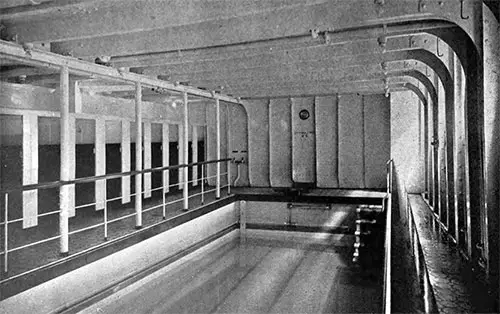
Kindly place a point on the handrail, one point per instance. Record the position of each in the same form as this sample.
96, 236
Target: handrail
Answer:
54, 184
388, 242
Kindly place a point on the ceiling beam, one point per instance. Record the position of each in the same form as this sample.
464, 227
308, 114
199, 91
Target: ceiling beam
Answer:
320, 89
273, 46
336, 15
41, 58
304, 59
118, 17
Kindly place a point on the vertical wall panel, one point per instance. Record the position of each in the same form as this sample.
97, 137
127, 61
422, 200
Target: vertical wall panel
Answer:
30, 169
147, 158
327, 142
377, 138
165, 143
125, 150
100, 162
351, 150
303, 141
258, 142
280, 141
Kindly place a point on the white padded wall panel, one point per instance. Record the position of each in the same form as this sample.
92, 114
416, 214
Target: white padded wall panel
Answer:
303, 141
377, 139
280, 141
351, 150
327, 142
258, 142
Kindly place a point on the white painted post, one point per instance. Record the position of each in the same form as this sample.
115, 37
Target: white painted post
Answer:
100, 162
125, 156
138, 155
194, 142
72, 165
180, 155
217, 143
202, 184
165, 156
147, 159
30, 169
64, 190
186, 150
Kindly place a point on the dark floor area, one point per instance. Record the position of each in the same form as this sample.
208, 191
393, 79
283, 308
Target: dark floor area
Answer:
26, 259
455, 289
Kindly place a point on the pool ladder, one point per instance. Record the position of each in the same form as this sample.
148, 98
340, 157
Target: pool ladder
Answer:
367, 221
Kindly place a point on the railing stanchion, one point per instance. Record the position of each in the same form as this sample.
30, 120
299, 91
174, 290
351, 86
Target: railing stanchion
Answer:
105, 219
6, 235
185, 170
138, 155
202, 184
228, 177
217, 144
164, 201
388, 234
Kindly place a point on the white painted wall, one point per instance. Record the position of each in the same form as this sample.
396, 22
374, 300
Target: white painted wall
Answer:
406, 150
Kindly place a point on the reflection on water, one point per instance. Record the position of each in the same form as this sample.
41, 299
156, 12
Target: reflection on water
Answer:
265, 272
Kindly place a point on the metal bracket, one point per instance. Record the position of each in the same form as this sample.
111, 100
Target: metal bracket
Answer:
382, 42
383, 65
327, 38
462, 11
422, 5
426, 72
314, 33
28, 47
437, 48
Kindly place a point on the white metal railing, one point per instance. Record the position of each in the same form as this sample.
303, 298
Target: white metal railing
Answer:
106, 221
387, 305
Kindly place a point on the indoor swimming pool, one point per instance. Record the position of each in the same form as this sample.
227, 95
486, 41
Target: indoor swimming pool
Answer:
262, 272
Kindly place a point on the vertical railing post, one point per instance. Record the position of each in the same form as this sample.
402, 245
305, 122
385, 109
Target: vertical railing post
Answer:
229, 177
203, 184
65, 170
186, 151
105, 219
138, 155
6, 235
228, 150
217, 132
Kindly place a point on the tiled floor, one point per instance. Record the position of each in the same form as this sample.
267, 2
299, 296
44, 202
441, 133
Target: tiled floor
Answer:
447, 271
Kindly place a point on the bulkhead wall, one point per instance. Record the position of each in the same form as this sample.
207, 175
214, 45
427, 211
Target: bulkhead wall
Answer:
340, 141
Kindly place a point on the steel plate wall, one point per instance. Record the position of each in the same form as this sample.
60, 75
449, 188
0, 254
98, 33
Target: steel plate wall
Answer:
327, 161
351, 140
280, 140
